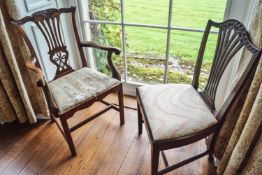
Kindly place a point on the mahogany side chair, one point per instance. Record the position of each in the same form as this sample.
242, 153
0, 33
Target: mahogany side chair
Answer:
176, 115
70, 90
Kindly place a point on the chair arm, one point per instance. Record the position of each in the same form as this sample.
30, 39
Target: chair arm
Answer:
40, 76
117, 51
114, 71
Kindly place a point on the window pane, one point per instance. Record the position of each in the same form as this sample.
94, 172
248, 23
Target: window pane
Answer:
183, 54
109, 35
195, 13
146, 11
146, 54
108, 10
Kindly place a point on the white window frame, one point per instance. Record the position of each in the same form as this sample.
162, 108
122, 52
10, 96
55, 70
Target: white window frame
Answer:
129, 86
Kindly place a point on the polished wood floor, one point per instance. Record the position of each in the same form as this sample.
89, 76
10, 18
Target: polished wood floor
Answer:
103, 148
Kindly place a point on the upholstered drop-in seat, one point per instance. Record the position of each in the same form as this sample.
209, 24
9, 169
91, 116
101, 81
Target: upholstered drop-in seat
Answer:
174, 110
77, 87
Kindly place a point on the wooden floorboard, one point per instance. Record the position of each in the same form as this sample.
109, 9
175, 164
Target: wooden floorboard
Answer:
103, 147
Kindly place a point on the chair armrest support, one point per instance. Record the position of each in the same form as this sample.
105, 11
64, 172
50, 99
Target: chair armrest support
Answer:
98, 46
40, 76
110, 50
113, 69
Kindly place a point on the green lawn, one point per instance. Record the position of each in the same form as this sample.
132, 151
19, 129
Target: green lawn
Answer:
186, 13
151, 41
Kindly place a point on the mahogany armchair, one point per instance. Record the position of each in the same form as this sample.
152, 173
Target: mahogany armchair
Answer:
70, 90
176, 115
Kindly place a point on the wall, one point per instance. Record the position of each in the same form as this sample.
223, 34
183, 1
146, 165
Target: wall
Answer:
240, 10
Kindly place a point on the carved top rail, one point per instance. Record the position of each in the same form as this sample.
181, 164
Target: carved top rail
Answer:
232, 36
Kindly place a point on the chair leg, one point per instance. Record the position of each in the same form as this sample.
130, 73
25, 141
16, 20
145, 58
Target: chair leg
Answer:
140, 120
121, 105
52, 118
154, 160
210, 157
68, 136
210, 147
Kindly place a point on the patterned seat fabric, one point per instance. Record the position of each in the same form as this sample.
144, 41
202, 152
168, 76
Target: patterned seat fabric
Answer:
77, 87
174, 110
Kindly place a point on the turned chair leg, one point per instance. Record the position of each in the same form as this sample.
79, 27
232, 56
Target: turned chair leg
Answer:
121, 105
154, 160
68, 136
140, 120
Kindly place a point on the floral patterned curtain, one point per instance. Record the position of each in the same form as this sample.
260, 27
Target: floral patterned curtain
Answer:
239, 145
20, 99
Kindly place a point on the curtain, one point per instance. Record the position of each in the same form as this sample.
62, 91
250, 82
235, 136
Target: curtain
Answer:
239, 145
20, 99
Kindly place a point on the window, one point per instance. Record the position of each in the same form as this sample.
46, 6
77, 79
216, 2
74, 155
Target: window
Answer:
159, 38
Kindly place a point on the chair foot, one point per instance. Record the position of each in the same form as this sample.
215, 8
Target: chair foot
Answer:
140, 120
68, 137
154, 160
121, 106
